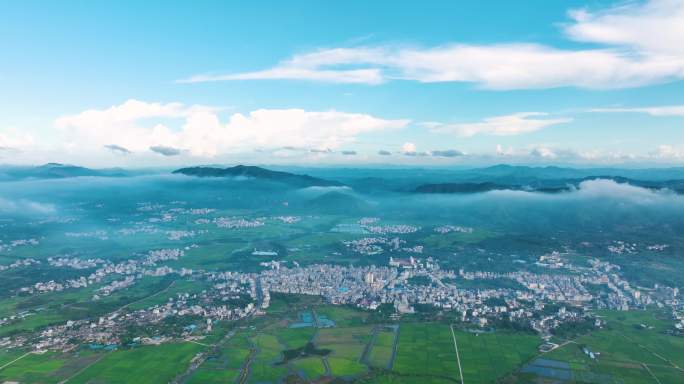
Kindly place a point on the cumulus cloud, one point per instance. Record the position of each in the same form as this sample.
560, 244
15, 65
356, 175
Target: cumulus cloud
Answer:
543, 152
117, 149
501, 151
447, 153
408, 147
552, 153
667, 152
507, 125
639, 44
138, 125
165, 151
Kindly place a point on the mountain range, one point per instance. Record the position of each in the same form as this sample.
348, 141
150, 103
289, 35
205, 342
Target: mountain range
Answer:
253, 172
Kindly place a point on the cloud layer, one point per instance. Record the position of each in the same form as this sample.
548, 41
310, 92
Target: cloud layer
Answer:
138, 126
514, 124
639, 44
665, 110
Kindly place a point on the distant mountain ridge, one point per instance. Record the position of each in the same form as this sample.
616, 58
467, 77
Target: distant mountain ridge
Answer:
54, 171
544, 185
259, 173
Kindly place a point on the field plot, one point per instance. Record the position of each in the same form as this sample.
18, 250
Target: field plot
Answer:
293, 338
152, 364
426, 350
347, 345
382, 350
172, 290
309, 367
343, 316
226, 365
44, 368
7, 356
486, 357
631, 348
263, 368
449, 240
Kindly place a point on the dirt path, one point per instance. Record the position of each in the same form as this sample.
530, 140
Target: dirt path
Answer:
203, 357
146, 297
654, 353
458, 356
84, 368
369, 346
15, 360
326, 364
395, 346
650, 373
245, 368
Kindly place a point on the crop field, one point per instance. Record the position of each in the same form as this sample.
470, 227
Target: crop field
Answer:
310, 367
631, 348
343, 316
486, 357
263, 366
449, 240
45, 368
161, 297
7, 356
140, 365
347, 345
382, 349
295, 337
426, 350
225, 366
341, 367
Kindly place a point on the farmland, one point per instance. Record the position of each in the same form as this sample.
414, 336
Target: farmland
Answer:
631, 348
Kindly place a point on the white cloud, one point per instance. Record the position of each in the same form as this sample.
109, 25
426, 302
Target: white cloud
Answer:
667, 152
408, 148
364, 76
665, 110
507, 125
13, 139
650, 27
639, 44
138, 126
543, 152
603, 189
311, 67
501, 151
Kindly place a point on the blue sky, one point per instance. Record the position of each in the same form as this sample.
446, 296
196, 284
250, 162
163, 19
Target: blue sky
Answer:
307, 82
